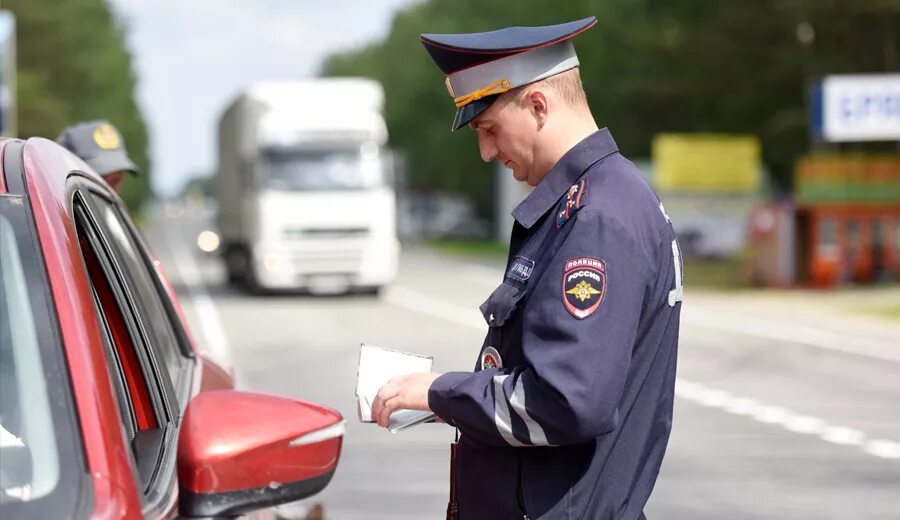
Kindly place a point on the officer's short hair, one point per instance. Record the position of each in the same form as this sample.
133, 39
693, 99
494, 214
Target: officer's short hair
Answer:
567, 84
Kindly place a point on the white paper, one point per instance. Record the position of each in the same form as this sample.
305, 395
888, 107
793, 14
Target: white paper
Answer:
8, 440
376, 367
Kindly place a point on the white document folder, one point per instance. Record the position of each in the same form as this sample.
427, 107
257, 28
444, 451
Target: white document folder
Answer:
376, 367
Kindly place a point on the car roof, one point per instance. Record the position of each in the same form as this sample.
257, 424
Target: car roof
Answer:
55, 158
44, 158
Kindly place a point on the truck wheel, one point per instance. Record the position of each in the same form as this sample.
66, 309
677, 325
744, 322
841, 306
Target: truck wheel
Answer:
372, 290
235, 264
248, 280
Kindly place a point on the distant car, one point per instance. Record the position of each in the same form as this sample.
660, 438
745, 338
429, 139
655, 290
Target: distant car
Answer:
101, 410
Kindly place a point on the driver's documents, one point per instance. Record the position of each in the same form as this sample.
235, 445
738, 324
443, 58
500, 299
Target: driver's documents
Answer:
376, 367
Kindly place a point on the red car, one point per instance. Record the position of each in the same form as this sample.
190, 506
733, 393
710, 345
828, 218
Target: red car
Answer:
107, 410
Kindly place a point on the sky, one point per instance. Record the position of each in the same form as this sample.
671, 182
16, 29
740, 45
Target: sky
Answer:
193, 57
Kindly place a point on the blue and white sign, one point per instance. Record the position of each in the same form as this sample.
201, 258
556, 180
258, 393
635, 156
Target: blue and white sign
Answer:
7, 73
857, 108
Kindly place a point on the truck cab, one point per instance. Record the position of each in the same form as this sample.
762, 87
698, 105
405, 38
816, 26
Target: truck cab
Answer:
305, 187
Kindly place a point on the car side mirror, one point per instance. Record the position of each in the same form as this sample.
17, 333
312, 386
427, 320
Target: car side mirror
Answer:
241, 451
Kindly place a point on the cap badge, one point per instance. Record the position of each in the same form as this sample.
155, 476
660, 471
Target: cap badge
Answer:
450, 87
106, 137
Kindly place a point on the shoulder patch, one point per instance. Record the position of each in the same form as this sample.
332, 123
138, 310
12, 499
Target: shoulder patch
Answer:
583, 286
521, 269
572, 202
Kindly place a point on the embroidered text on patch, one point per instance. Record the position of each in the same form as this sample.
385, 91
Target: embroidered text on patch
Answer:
583, 286
521, 269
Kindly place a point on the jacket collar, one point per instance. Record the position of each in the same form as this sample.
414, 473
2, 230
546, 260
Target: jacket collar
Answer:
564, 174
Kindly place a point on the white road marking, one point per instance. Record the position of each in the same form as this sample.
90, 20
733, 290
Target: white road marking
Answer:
787, 419
771, 414
741, 406
696, 316
843, 436
434, 307
216, 341
684, 389
365, 513
482, 274
883, 448
797, 334
805, 424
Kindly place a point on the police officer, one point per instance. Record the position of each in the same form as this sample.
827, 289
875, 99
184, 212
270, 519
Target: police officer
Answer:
568, 412
99, 144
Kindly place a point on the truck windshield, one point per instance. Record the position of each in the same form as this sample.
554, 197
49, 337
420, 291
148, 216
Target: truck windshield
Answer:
320, 170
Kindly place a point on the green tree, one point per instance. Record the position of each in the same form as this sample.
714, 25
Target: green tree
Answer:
73, 66
648, 67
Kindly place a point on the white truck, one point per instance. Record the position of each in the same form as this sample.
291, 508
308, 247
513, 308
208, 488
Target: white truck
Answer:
304, 187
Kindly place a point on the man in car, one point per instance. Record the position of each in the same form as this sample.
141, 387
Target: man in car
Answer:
100, 145
569, 410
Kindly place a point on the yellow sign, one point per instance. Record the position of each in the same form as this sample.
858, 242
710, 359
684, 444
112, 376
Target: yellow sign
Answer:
707, 163
106, 137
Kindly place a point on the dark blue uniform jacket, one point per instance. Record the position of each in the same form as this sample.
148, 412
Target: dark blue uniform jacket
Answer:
569, 410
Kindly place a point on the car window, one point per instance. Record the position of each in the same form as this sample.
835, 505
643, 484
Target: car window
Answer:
26, 420
129, 381
145, 364
40, 449
164, 338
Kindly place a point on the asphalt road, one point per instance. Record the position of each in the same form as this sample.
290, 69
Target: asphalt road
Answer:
783, 411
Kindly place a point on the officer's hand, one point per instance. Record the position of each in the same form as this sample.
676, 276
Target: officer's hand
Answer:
409, 392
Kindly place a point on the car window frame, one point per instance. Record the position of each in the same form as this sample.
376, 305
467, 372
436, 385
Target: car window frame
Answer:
120, 381
184, 348
115, 293
184, 340
74, 494
159, 444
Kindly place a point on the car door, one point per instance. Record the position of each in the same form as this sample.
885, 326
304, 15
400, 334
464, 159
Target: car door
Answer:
151, 363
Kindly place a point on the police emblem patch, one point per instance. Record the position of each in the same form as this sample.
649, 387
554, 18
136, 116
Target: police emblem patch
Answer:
490, 358
583, 286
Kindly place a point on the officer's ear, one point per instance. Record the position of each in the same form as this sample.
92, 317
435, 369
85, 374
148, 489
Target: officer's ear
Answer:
538, 107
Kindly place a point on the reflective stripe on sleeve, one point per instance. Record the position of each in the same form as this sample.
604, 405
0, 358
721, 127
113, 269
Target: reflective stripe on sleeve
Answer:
501, 413
535, 432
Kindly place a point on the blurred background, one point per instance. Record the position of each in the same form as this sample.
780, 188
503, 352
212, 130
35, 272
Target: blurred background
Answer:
301, 185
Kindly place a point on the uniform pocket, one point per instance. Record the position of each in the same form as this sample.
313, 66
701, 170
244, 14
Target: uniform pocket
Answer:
501, 304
